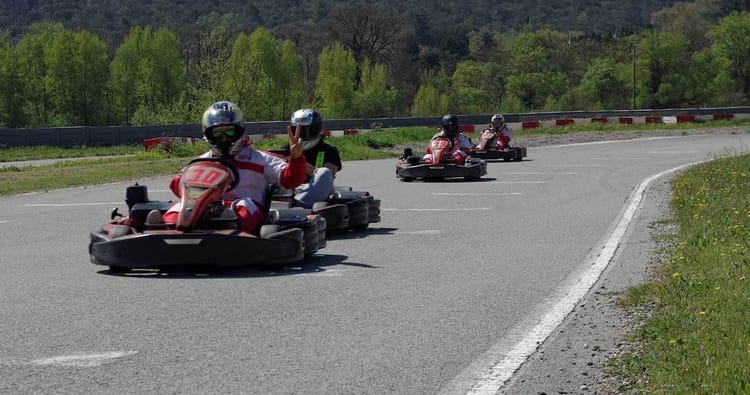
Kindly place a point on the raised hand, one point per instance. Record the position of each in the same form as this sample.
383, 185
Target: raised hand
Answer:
295, 141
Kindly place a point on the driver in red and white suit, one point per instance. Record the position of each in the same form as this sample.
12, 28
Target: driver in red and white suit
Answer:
460, 144
497, 124
224, 132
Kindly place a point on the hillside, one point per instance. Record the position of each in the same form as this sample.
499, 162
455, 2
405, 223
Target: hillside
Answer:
436, 23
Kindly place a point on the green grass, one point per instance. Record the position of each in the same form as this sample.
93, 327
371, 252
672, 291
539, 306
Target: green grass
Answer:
698, 339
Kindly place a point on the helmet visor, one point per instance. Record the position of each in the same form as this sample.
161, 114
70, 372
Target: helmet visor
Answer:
217, 134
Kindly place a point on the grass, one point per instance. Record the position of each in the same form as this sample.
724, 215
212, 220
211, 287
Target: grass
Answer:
697, 340
137, 163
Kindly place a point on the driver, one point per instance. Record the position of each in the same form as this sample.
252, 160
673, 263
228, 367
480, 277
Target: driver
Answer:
501, 129
323, 159
224, 132
460, 144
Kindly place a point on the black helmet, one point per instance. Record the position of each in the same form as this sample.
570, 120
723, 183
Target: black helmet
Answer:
311, 123
450, 125
224, 113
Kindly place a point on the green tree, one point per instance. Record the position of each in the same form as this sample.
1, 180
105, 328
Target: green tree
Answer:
264, 77
32, 69
469, 91
661, 62
374, 98
606, 85
689, 19
11, 94
147, 73
534, 77
429, 101
78, 70
335, 83
731, 41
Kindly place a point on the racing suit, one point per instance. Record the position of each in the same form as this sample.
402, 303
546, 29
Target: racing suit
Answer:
503, 136
460, 147
257, 170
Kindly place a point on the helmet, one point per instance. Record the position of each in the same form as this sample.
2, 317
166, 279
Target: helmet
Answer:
497, 121
223, 113
450, 125
311, 123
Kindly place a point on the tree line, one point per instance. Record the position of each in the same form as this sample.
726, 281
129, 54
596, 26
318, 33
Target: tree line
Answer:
366, 63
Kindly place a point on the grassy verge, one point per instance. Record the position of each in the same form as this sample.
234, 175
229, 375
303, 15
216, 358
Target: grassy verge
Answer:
139, 164
697, 340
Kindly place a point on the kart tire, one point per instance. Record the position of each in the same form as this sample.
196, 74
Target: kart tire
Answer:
359, 217
119, 230
267, 230
337, 216
119, 269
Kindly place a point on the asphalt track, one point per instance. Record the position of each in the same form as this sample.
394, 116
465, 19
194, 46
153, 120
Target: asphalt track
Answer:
451, 293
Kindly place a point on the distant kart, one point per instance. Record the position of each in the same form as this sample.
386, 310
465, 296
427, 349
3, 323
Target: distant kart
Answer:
345, 209
487, 149
206, 233
442, 166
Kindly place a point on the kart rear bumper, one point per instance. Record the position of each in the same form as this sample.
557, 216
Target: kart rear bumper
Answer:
161, 249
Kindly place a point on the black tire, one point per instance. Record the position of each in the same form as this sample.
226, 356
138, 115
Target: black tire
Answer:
119, 230
267, 230
119, 269
359, 217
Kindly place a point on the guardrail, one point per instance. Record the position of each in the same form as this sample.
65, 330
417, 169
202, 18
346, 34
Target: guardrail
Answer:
115, 135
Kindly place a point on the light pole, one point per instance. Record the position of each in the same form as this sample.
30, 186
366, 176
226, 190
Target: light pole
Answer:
633, 76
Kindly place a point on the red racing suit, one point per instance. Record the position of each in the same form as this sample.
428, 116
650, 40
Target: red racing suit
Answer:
257, 169
460, 147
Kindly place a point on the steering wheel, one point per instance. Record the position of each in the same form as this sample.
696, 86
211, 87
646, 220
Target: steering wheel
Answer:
226, 162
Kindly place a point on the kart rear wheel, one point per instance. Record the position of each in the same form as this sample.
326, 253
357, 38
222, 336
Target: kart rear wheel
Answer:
119, 230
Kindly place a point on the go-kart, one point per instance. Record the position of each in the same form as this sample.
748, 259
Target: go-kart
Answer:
487, 148
441, 166
344, 209
207, 231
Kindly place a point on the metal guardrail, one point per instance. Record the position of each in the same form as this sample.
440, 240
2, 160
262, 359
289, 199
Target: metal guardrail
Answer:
115, 135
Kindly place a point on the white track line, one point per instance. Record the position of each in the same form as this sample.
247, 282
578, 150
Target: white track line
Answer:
494, 377
438, 209
71, 204
476, 194
82, 360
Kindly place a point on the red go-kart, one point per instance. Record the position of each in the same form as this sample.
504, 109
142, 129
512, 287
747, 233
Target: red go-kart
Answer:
441, 166
488, 149
206, 233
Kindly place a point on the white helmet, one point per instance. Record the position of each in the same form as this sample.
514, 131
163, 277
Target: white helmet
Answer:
498, 120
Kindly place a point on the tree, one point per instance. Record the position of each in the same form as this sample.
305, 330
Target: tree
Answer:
731, 41
264, 77
661, 62
691, 20
11, 94
535, 75
207, 47
32, 70
429, 101
606, 85
147, 73
77, 73
335, 85
374, 98
470, 93
368, 32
